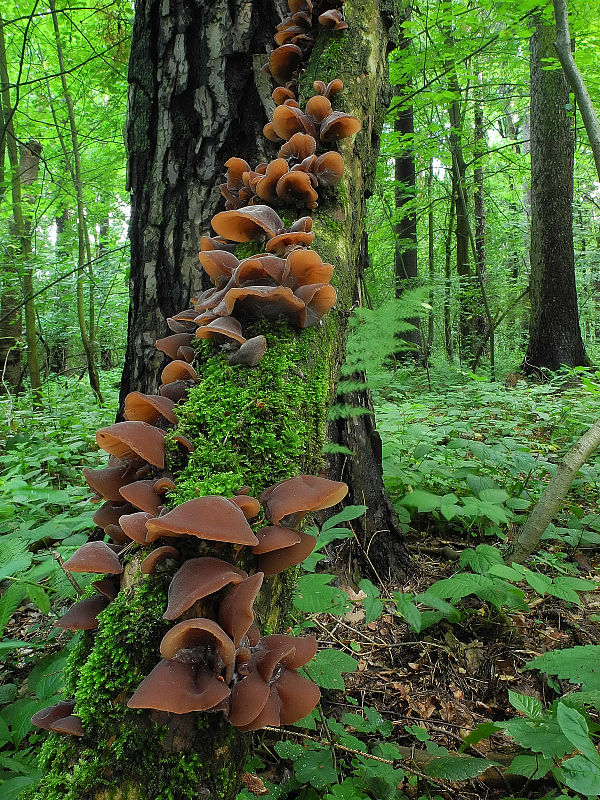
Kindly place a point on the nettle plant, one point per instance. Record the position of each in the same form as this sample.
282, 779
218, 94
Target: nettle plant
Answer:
216, 660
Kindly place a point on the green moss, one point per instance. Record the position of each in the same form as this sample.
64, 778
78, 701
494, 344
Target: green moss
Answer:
254, 426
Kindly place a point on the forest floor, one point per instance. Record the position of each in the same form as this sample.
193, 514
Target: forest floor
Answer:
464, 462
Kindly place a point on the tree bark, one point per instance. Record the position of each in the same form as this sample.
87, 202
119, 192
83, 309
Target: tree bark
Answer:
554, 333
124, 754
193, 103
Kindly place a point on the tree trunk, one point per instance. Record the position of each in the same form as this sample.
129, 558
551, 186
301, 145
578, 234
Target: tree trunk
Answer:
285, 399
197, 96
554, 334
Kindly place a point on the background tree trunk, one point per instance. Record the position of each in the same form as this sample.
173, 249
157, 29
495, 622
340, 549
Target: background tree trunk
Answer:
202, 756
554, 334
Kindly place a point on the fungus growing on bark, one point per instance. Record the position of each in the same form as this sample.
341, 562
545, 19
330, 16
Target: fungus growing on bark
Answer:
125, 439
70, 725
134, 526
158, 555
141, 495
223, 330
150, 408
109, 587
94, 557
106, 482
176, 391
47, 717
218, 265
296, 189
283, 62
305, 267
236, 612
109, 513
338, 126
329, 90
83, 616
178, 371
212, 517
249, 506
286, 242
319, 298
275, 537
267, 301
275, 561
246, 224
280, 94
170, 345
198, 578
250, 353
200, 641
299, 495
288, 120
333, 19
178, 688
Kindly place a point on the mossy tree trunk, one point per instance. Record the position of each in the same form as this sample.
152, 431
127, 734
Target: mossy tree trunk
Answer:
249, 426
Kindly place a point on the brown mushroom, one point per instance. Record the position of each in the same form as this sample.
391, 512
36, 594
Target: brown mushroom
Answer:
178, 371
124, 439
198, 578
109, 587
249, 506
265, 186
266, 301
222, 330
250, 353
218, 265
318, 108
299, 495
235, 609
269, 133
276, 561
83, 616
94, 557
281, 94
246, 224
109, 513
329, 168
235, 169
70, 725
106, 482
212, 517
283, 61
142, 496
150, 408
179, 688
338, 126
299, 147
288, 120
296, 189
200, 641
134, 526
332, 88
216, 243
305, 648
164, 484
169, 345
286, 242
298, 697
46, 717
305, 267
333, 19
275, 537
319, 299
149, 564
176, 391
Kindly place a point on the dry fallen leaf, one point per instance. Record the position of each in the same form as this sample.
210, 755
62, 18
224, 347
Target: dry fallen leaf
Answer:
254, 784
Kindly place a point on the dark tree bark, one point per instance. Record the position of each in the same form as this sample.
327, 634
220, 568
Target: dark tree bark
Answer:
202, 756
554, 333
193, 103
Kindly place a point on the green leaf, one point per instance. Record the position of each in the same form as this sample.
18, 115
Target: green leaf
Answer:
581, 775
407, 609
493, 495
327, 667
538, 582
316, 767
372, 722
506, 572
482, 731
530, 706
579, 664
372, 605
575, 728
16, 565
315, 596
46, 678
9, 602
349, 513
346, 790
39, 598
534, 767
18, 717
13, 787
457, 768
424, 502
8, 692
481, 558
288, 749
543, 737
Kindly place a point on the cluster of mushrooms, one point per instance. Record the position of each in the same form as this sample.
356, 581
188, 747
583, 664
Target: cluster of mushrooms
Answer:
214, 658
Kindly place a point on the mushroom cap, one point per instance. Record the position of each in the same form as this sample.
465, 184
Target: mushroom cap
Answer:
109, 513
216, 243
302, 224
235, 169
329, 168
212, 517
106, 482
249, 354
83, 616
270, 714
46, 717
179, 688
218, 265
249, 506
283, 61
176, 326
280, 244
164, 484
275, 537
169, 345
267, 301
298, 696
319, 299
70, 725
280, 94
150, 407
302, 493
296, 189
178, 371
276, 561
265, 186
269, 133
338, 126
318, 108
262, 267
141, 495
199, 641
186, 353
246, 224
109, 587
134, 525
235, 609
124, 439
333, 19
94, 557
333, 87
248, 698
305, 648
148, 565
198, 578
299, 146
176, 390
222, 329
288, 120
305, 267
116, 534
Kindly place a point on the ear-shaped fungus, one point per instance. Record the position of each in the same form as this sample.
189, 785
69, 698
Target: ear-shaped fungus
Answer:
142, 495
170, 345
246, 224
94, 557
134, 526
179, 688
178, 371
46, 718
198, 578
83, 616
235, 609
176, 391
333, 19
70, 725
212, 517
223, 330
275, 537
250, 353
275, 561
300, 495
283, 62
200, 641
124, 439
148, 565
338, 126
329, 90
319, 298
106, 482
267, 301
109, 513
249, 505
